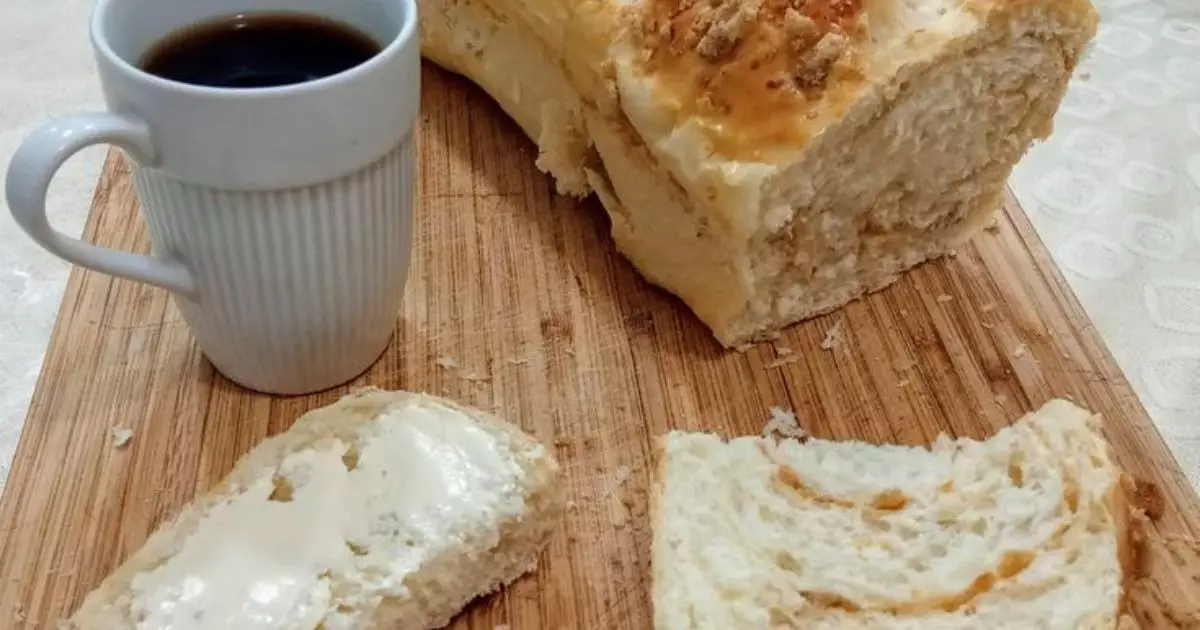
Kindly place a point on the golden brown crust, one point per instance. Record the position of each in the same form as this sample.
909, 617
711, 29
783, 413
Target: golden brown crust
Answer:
1131, 540
757, 66
1149, 498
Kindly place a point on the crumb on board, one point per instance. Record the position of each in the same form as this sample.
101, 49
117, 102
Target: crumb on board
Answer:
987, 325
943, 298
833, 337
502, 626
993, 225
783, 422
1020, 351
901, 365
784, 351
783, 359
987, 308
903, 383
448, 363
521, 361
121, 436
474, 377
621, 475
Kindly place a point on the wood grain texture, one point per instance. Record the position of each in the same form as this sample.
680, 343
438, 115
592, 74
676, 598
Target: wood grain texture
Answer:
547, 325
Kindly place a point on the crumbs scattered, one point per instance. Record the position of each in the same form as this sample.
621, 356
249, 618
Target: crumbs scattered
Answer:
451, 364
783, 423
474, 377
121, 436
900, 365
621, 475
833, 337
783, 356
620, 502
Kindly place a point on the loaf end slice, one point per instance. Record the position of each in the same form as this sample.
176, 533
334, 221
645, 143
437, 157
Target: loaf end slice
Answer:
771, 160
383, 510
1028, 529
800, 155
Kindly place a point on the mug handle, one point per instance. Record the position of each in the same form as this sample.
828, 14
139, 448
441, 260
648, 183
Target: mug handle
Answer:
33, 167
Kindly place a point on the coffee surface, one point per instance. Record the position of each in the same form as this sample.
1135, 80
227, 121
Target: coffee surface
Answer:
255, 50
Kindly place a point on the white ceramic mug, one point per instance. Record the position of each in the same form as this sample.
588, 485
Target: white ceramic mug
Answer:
280, 218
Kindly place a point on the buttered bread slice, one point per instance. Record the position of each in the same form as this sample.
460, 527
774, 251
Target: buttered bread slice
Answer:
1028, 529
384, 510
771, 160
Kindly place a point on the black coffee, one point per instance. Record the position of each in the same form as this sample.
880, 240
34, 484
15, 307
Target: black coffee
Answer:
259, 50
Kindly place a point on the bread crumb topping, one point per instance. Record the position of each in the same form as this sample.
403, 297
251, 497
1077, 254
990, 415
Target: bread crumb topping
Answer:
754, 69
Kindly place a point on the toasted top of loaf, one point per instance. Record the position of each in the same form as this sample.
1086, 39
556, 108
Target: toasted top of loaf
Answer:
732, 95
759, 76
1024, 530
317, 526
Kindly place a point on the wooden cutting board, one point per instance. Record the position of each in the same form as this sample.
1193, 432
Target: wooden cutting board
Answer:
518, 302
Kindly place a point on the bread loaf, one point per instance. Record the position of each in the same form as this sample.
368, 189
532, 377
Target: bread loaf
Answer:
771, 160
384, 510
1028, 529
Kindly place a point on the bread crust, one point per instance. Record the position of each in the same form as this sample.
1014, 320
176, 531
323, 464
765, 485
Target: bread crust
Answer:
658, 459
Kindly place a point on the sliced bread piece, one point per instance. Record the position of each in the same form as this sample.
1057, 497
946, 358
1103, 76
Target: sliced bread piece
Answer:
1026, 530
384, 510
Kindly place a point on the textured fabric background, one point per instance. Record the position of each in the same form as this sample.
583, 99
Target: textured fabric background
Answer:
1115, 193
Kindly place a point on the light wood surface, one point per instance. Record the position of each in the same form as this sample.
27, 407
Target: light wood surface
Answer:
523, 291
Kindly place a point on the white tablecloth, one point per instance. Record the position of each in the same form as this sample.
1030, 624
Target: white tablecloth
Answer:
1115, 194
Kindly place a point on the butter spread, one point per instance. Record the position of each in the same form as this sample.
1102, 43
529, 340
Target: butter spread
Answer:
335, 527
